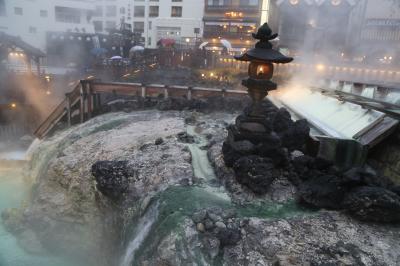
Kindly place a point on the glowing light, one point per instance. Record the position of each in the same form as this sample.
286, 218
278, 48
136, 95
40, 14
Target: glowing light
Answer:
48, 92
13, 105
202, 74
320, 67
336, 2
211, 74
294, 2
187, 40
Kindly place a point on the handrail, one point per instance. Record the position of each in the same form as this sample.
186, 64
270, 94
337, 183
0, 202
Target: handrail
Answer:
97, 87
58, 112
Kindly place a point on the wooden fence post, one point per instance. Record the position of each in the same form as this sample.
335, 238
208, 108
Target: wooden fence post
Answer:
166, 92
82, 101
143, 91
67, 96
89, 99
189, 93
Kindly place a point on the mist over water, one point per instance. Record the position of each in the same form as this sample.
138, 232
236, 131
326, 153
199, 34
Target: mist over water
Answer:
14, 191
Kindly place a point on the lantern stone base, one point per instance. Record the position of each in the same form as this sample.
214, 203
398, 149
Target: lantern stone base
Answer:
266, 140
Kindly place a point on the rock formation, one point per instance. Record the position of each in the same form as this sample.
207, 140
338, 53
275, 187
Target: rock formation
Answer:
257, 147
259, 150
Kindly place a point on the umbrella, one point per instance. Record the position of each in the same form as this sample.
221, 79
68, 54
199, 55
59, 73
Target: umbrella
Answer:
202, 45
226, 43
136, 48
166, 42
98, 51
117, 57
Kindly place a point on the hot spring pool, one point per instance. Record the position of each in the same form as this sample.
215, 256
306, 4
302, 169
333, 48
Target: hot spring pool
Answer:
12, 192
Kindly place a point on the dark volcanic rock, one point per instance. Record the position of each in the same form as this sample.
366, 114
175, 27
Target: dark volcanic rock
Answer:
112, 177
159, 141
326, 191
232, 152
361, 177
228, 237
255, 172
373, 204
282, 121
185, 137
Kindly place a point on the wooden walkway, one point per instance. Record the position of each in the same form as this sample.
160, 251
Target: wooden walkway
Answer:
86, 99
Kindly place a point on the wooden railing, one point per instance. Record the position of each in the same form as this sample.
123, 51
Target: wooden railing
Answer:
85, 97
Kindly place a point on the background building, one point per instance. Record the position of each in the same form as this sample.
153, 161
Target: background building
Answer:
180, 20
33, 19
374, 32
111, 15
359, 31
314, 26
233, 21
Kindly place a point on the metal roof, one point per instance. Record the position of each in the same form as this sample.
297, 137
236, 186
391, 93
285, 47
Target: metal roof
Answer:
11, 41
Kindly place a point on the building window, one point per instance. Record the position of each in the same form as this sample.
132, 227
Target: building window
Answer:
122, 10
98, 11
111, 25
150, 25
18, 11
149, 41
176, 0
215, 2
43, 13
67, 14
153, 11
32, 30
98, 26
138, 11
138, 27
176, 11
111, 11
2, 8
248, 2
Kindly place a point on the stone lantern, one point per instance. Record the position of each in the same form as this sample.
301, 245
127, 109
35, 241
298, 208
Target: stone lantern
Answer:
260, 141
261, 67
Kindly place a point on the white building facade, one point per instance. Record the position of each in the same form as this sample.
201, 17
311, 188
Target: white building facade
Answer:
109, 14
180, 20
32, 19
152, 20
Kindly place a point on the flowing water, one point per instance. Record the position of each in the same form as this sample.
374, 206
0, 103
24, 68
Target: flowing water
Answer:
179, 202
142, 230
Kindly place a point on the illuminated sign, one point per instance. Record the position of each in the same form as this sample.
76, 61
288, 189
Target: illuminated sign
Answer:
234, 14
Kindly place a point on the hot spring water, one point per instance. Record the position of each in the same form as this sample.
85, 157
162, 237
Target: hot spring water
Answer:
13, 192
173, 205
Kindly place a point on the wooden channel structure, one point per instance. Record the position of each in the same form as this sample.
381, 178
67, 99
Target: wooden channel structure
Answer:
86, 99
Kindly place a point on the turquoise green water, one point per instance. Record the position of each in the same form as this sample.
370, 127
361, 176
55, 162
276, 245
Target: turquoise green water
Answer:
178, 203
12, 193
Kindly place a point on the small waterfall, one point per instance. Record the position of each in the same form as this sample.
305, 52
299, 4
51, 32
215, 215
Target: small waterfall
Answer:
142, 230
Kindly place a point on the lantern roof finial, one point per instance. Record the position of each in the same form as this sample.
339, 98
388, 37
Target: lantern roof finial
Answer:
263, 50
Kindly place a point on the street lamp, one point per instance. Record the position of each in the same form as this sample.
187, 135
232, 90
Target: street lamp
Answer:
261, 67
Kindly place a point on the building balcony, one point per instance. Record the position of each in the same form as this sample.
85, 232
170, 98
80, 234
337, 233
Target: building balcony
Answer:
221, 18
226, 35
228, 8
